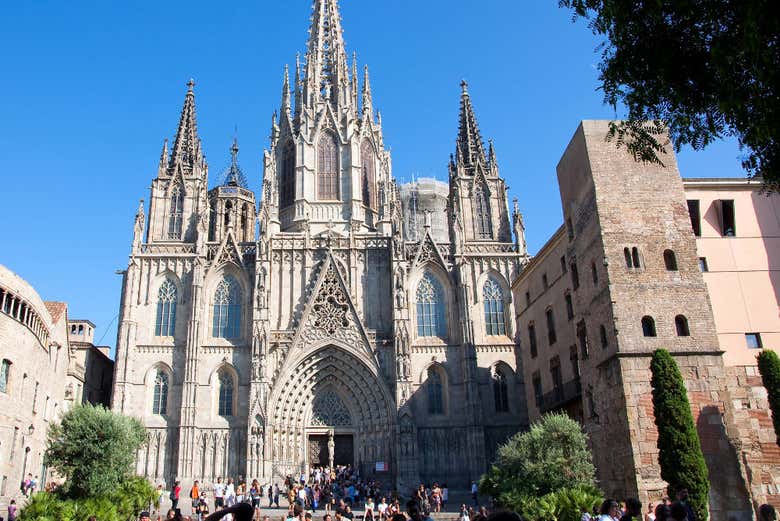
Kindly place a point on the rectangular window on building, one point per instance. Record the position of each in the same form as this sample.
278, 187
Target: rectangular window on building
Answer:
582, 337
753, 340
551, 336
569, 228
537, 383
555, 374
545, 283
575, 361
532, 340
695, 212
563, 264
569, 306
728, 224
527, 298
575, 276
703, 264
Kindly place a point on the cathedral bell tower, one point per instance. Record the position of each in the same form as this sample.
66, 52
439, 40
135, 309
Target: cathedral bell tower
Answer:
327, 168
478, 196
232, 205
178, 191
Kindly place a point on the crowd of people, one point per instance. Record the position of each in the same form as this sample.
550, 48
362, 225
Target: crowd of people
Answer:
340, 494
665, 510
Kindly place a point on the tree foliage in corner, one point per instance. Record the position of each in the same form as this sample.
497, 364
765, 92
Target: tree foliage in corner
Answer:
704, 69
769, 367
93, 449
552, 456
679, 450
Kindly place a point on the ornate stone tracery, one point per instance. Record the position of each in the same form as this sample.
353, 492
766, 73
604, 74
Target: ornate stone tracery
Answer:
329, 410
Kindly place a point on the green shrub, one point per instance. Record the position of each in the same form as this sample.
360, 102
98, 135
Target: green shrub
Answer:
93, 449
122, 504
769, 367
566, 504
551, 456
679, 450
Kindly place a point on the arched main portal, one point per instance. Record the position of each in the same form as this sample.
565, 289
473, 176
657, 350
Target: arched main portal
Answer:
330, 404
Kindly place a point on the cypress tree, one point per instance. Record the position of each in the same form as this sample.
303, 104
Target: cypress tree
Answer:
769, 367
679, 450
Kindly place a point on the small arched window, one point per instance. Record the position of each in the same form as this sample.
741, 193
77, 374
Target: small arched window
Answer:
165, 325
648, 326
670, 260
287, 186
5, 370
244, 222
327, 168
500, 391
627, 255
594, 273
435, 394
228, 213
225, 406
494, 307
176, 212
681, 325
160, 396
484, 230
368, 181
431, 320
227, 309
635, 256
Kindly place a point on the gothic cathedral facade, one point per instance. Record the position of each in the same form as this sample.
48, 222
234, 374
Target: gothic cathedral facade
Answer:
261, 335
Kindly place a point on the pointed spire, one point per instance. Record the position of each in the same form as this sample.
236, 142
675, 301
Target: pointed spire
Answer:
163, 166
234, 176
298, 86
326, 59
186, 147
354, 80
368, 106
286, 90
470, 149
491, 152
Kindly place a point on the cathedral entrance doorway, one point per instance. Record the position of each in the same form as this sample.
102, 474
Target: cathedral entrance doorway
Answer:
330, 408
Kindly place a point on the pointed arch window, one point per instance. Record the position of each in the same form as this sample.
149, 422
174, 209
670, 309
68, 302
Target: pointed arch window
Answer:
176, 213
287, 186
430, 308
494, 307
227, 309
500, 391
435, 395
165, 325
327, 168
368, 181
225, 406
160, 397
484, 230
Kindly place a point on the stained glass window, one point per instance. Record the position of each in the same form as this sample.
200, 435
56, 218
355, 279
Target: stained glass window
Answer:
176, 213
435, 400
225, 394
500, 391
165, 324
327, 168
227, 309
493, 298
431, 320
160, 398
369, 174
484, 230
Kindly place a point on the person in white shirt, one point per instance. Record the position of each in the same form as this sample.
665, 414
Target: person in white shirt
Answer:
219, 495
382, 509
230, 493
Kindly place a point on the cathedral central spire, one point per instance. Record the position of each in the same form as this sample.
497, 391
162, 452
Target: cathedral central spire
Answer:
327, 73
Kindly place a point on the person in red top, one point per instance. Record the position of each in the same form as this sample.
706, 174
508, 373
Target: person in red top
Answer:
175, 491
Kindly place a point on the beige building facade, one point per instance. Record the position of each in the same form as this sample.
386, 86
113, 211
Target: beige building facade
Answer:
91, 370
33, 374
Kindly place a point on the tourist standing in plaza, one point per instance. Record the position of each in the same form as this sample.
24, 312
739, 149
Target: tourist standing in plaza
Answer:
175, 491
219, 495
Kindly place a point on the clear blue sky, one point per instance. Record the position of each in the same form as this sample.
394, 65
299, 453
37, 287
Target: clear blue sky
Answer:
90, 89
